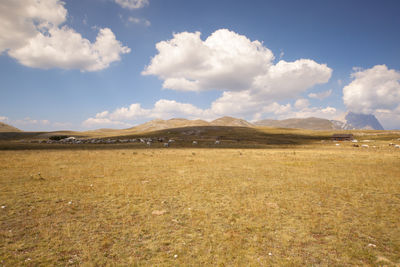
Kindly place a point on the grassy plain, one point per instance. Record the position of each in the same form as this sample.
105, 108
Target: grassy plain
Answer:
312, 204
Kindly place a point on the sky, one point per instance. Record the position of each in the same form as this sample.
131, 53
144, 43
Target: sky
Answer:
90, 64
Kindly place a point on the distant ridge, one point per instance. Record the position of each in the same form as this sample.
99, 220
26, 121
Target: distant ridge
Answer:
363, 121
8, 128
311, 123
353, 121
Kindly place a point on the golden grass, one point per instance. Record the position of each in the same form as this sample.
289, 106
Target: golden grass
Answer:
321, 205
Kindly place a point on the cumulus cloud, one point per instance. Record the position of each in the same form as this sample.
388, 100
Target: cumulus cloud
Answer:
237, 103
320, 95
64, 48
224, 61
377, 88
231, 62
132, 4
318, 112
31, 32
288, 79
162, 109
302, 103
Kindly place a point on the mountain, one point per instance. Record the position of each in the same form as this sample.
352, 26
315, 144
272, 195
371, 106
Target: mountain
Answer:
8, 128
303, 123
363, 121
352, 121
230, 121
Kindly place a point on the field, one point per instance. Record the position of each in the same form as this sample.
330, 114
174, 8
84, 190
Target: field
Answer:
307, 203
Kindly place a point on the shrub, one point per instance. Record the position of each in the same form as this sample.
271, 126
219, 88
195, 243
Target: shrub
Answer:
57, 137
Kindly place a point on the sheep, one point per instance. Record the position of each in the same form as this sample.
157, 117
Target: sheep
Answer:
217, 142
366, 146
166, 144
194, 142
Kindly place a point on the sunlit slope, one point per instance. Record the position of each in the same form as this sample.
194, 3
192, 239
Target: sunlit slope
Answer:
8, 128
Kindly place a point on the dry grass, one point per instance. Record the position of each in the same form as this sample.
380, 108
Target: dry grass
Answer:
321, 205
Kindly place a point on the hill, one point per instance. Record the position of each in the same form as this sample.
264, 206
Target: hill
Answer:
230, 121
8, 128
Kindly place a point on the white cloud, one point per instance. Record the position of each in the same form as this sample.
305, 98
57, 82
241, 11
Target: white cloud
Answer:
132, 4
224, 61
170, 108
231, 62
302, 103
377, 88
64, 48
31, 32
320, 95
29, 121
288, 79
162, 109
301, 109
3, 119
20, 19
237, 103
318, 112
103, 122
30, 124
134, 20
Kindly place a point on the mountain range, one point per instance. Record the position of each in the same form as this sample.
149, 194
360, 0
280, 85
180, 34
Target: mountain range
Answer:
351, 121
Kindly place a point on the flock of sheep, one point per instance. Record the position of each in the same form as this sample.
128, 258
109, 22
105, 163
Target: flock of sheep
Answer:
145, 140
149, 141
367, 146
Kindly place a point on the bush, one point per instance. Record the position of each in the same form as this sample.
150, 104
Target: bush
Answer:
57, 137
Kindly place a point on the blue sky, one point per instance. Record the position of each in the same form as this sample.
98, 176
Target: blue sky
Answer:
312, 58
